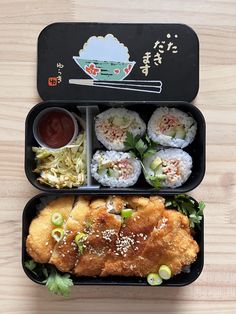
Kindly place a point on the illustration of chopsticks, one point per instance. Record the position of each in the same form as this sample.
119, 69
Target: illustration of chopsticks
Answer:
146, 86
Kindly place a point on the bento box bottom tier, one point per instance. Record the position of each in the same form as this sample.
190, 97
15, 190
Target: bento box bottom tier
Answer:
113, 239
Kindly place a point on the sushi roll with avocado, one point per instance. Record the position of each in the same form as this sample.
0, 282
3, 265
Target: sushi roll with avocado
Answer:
169, 168
115, 169
171, 127
112, 125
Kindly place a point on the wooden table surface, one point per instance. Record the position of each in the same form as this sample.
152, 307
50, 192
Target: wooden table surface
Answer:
215, 23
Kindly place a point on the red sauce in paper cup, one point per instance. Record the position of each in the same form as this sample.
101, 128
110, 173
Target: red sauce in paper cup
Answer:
55, 128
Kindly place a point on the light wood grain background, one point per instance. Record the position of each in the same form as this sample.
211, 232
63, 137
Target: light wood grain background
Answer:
215, 23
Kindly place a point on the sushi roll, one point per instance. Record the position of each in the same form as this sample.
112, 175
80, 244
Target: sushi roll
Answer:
168, 168
115, 169
171, 127
112, 125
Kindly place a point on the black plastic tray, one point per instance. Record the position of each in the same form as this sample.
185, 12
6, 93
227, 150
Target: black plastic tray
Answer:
30, 211
145, 109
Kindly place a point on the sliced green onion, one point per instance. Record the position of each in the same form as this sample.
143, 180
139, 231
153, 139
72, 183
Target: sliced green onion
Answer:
164, 272
57, 219
154, 279
80, 237
126, 213
79, 240
80, 249
57, 234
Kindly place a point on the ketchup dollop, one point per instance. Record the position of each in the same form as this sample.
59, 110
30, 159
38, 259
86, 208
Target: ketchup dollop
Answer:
56, 129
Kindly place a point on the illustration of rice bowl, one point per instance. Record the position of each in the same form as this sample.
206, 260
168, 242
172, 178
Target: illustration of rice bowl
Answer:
104, 58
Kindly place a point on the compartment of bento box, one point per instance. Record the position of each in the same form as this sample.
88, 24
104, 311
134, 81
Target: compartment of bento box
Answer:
145, 109
187, 276
61, 161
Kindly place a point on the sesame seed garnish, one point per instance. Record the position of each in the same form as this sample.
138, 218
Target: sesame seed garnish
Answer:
106, 234
123, 244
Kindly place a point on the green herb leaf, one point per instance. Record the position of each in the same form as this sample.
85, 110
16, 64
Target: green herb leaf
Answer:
136, 144
141, 147
148, 139
131, 140
187, 206
58, 283
132, 154
149, 152
31, 265
201, 207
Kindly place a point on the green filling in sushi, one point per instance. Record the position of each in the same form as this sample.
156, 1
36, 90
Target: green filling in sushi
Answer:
115, 169
168, 168
112, 125
171, 127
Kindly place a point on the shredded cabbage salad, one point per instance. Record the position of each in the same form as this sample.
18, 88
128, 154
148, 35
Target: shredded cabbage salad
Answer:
62, 168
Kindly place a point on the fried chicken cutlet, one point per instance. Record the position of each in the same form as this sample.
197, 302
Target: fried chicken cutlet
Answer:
39, 243
135, 246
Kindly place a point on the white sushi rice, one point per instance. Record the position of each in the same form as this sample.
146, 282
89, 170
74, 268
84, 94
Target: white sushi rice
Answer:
157, 136
111, 135
104, 157
178, 174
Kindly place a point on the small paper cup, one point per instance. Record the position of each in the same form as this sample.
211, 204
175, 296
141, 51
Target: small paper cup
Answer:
46, 111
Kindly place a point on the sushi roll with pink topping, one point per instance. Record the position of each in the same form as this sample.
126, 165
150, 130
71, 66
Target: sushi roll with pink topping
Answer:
168, 168
171, 127
115, 169
112, 125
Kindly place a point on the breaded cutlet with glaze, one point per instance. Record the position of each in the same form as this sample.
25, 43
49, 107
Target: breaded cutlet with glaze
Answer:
40, 243
133, 235
65, 252
102, 236
136, 246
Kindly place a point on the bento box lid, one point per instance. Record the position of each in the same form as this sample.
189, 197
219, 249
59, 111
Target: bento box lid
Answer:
131, 62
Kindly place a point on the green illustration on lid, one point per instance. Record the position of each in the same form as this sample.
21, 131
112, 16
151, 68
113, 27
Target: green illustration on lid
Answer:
104, 58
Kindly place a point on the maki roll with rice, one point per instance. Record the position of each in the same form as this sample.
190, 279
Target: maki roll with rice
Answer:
171, 127
115, 169
168, 168
112, 125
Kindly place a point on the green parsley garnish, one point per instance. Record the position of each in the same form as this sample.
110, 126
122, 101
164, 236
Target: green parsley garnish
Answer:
187, 206
31, 265
56, 282
141, 147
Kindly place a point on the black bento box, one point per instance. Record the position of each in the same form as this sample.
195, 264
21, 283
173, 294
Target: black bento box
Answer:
184, 278
162, 66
